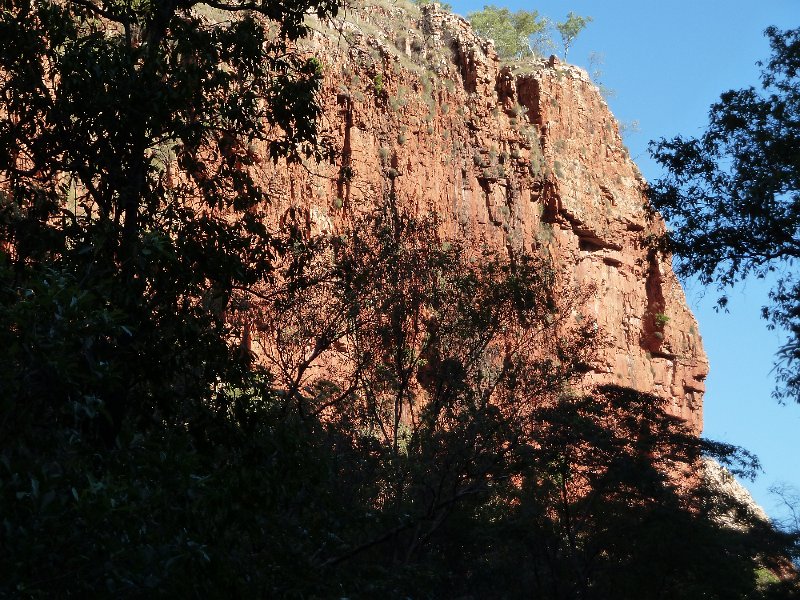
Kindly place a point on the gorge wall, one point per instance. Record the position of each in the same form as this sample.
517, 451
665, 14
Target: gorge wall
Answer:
523, 158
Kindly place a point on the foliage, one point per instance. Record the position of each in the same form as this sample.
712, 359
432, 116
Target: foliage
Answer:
524, 33
515, 35
601, 513
660, 319
474, 460
732, 196
570, 28
129, 214
411, 427
127, 136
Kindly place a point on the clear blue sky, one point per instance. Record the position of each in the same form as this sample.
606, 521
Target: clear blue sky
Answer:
668, 62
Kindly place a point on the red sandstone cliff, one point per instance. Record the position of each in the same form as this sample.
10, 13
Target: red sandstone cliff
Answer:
529, 159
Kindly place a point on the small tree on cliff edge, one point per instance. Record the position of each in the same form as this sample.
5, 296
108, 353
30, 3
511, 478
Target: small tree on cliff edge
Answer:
732, 196
570, 28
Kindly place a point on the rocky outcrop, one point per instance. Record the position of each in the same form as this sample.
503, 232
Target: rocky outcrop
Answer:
738, 499
527, 158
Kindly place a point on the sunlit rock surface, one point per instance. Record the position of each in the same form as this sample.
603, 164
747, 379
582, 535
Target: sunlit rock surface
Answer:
528, 158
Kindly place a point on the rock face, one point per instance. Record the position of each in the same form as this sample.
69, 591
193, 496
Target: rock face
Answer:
523, 159
719, 479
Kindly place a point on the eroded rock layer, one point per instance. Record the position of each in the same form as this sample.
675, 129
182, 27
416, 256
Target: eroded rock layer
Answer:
528, 158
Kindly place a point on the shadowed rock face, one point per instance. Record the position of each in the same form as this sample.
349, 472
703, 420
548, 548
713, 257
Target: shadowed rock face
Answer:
527, 159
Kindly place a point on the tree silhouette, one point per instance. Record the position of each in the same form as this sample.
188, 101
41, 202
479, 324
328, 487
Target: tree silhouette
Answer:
732, 195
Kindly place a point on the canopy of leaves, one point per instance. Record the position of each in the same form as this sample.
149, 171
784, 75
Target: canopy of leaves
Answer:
515, 34
446, 454
732, 196
127, 136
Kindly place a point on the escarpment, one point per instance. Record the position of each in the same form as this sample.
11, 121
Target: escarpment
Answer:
526, 158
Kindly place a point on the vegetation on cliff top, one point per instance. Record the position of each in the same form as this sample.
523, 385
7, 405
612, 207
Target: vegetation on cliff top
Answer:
525, 33
446, 451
